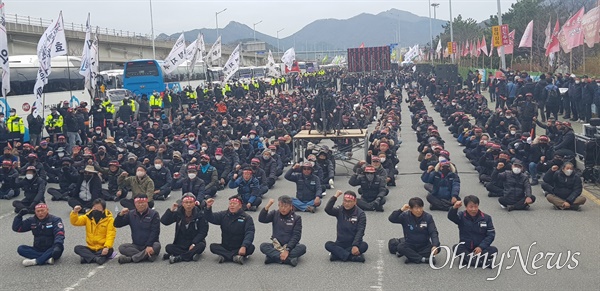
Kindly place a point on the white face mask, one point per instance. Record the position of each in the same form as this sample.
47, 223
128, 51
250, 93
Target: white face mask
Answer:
453, 103
508, 116
252, 136
158, 166
286, 123
441, 159
513, 132
190, 152
577, 82
256, 124
12, 114
267, 157
382, 160
224, 124
568, 172
140, 174
203, 149
121, 149
60, 155
98, 131
516, 171
191, 175
29, 176
120, 126
192, 138
136, 146
484, 142
218, 158
236, 148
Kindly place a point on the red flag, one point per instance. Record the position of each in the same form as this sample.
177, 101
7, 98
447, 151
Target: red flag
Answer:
554, 45
484, 46
362, 45
571, 34
508, 49
548, 33
527, 39
591, 25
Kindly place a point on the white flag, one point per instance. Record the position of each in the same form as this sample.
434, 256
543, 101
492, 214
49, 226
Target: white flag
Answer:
232, 64
89, 65
195, 51
53, 43
527, 39
85, 58
90, 80
289, 57
4, 53
215, 51
439, 47
271, 66
176, 56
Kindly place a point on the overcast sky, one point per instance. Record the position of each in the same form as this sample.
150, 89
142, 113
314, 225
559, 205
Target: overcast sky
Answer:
171, 16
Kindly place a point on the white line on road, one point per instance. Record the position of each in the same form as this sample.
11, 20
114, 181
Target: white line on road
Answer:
89, 275
380, 266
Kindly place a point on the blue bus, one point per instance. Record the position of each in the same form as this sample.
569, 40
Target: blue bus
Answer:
143, 77
147, 76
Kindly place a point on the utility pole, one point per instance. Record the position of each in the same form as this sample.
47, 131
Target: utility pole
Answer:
502, 56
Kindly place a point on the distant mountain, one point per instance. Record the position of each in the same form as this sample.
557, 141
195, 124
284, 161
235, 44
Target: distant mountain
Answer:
329, 34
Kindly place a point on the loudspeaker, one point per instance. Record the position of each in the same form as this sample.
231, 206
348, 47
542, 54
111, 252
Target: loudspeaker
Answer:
446, 72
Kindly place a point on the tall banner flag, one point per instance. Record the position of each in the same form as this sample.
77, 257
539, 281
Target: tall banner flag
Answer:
4, 55
289, 57
195, 51
438, 50
484, 46
571, 34
89, 65
591, 27
53, 43
527, 39
548, 33
271, 66
215, 51
176, 57
233, 64
362, 45
509, 48
554, 45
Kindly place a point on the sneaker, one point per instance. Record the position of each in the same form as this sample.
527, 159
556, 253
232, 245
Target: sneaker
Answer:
238, 259
125, 260
29, 262
153, 258
510, 208
269, 261
100, 260
196, 257
82, 261
168, 196
292, 262
333, 258
534, 182
50, 261
221, 259
174, 259
377, 205
310, 209
407, 261
502, 206
331, 183
166, 257
399, 255
556, 207
324, 193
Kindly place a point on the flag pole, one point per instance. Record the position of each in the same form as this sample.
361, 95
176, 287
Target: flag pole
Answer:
531, 59
571, 61
583, 49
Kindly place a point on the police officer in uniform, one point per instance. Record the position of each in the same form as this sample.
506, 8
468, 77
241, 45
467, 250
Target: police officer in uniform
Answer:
476, 232
285, 247
351, 225
421, 240
237, 231
109, 114
15, 126
48, 236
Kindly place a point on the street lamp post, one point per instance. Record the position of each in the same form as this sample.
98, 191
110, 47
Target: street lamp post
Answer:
502, 57
451, 30
278, 49
152, 29
430, 34
217, 25
435, 6
255, 52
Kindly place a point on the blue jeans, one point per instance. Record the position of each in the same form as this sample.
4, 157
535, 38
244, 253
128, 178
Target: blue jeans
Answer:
533, 170
39, 256
302, 205
74, 137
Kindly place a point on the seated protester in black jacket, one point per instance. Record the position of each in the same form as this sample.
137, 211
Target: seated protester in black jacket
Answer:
193, 184
351, 225
162, 178
563, 188
191, 229
33, 187
443, 185
285, 247
68, 180
517, 189
421, 240
237, 231
372, 189
496, 187
88, 189
8, 178
476, 232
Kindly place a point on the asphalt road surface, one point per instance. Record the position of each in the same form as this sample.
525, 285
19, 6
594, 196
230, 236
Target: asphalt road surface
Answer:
558, 232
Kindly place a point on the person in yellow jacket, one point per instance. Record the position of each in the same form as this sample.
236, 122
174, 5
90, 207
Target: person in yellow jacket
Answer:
100, 233
15, 127
54, 122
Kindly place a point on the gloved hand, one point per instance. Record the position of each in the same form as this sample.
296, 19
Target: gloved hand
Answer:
23, 211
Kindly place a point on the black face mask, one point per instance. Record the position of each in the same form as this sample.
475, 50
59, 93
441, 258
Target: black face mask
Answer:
97, 215
204, 163
445, 170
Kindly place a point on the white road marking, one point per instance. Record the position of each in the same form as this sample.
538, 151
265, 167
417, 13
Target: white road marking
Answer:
380, 265
81, 280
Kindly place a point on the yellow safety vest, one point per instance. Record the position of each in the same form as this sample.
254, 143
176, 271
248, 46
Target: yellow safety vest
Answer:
56, 123
273, 82
155, 101
110, 108
131, 104
15, 124
246, 87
